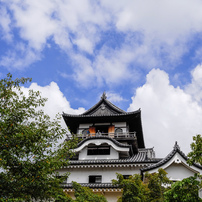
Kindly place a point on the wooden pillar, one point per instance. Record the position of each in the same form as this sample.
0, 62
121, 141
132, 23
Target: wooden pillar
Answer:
92, 130
111, 131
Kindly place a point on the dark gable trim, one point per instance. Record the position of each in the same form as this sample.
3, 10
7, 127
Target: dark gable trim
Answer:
176, 149
89, 115
111, 106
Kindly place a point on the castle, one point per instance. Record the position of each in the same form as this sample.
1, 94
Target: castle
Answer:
111, 141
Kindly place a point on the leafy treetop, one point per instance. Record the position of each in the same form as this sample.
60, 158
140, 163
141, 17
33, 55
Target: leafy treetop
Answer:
195, 156
30, 152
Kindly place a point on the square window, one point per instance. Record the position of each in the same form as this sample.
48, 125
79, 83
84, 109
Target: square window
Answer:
95, 179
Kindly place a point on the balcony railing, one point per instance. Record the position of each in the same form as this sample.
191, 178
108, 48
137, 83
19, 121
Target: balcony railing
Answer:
111, 135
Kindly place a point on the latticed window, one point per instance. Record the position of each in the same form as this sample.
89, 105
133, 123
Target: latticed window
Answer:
95, 179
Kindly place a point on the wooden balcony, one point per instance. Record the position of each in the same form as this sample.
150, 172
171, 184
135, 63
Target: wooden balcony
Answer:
118, 136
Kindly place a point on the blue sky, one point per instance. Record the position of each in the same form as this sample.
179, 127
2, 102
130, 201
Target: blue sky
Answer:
145, 54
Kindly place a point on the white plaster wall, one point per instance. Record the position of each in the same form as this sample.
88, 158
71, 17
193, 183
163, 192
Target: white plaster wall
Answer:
108, 174
99, 142
113, 155
102, 124
177, 168
119, 124
83, 126
178, 172
112, 196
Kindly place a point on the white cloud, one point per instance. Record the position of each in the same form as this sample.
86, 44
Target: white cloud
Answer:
195, 88
154, 33
56, 103
19, 58
169, 114
63, 20
111, 66
114, 97
5, 22
34, 20
167, 20
84, 73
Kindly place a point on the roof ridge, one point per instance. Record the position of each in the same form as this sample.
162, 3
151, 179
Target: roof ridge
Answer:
176, 149
104, 99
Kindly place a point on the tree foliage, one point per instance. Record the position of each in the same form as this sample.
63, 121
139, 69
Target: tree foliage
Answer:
195, 156
134, 190
185, 190
157, 183
29, 151
85, 194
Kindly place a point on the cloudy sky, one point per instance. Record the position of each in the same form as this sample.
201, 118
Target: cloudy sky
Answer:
145, 54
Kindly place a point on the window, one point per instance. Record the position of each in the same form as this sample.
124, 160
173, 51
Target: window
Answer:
98, 150
126, 176
119, 130
95, 179
85, 132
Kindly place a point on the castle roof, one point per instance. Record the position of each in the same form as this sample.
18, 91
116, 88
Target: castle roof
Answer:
176, 150
104, 111
143, 157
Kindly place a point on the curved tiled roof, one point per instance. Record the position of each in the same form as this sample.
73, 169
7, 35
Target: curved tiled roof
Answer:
91, 115
91, 185
106, 112
176, 149
141, 157
115, 110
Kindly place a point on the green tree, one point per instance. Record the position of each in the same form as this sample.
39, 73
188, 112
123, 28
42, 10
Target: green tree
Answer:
195, 156
85, 194
157, 183
29, 151
185, 190
134, 189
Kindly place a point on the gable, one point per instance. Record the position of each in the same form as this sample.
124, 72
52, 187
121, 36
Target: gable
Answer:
104, 107
179, 171
103, 110
176, 166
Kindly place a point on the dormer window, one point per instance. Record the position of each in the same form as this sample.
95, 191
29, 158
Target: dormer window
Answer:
98, 150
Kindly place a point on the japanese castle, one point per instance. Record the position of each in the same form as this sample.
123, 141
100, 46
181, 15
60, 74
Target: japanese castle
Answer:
112, 141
